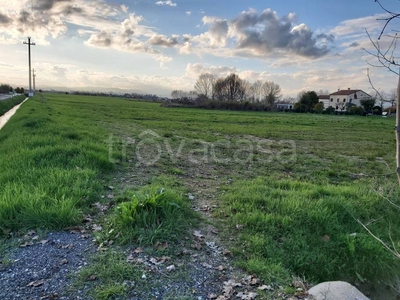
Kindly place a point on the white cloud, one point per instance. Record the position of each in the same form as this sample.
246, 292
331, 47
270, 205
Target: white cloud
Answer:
168, 3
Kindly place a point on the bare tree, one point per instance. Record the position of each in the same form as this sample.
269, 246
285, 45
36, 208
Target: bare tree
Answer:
386, 58
271, 92
323, 92
256, 91
230, 88
246, 89
205, 84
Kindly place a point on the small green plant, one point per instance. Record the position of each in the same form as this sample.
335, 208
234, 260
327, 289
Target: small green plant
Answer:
108, 276
152, 214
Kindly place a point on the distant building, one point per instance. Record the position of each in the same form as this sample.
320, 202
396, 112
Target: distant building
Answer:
284, 106
325, 99
342, 98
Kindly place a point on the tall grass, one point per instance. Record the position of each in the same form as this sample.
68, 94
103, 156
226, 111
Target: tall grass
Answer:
6, 105
158, 212
50, 166
301, 228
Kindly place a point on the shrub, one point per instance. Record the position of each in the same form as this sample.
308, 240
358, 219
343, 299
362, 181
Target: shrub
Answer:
356, 110
330, 110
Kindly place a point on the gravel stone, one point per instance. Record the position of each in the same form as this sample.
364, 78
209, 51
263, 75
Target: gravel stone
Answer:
42, 271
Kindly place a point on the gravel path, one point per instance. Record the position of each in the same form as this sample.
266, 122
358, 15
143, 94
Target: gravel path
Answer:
41, 270
41, 267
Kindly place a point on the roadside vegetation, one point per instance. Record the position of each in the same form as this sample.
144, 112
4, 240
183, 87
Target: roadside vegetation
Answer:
50, 167
287, 188
6, 105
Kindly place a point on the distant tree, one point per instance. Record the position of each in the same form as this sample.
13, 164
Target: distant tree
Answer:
22, 90
235, 88
256, 91
308, 101
271, 93
5, 88
323, 92
297, 107
247, 90
178, 94
368, 105
319, 107
219, 92
230, 88
205, 84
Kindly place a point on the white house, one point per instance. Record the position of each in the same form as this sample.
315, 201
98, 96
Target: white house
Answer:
342, 98
325, 100
284, 106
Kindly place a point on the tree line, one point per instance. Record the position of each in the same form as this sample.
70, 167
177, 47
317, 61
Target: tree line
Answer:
231, 92
235, 93
6, 88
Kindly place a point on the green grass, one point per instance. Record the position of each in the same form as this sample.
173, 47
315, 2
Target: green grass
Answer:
306, 229
106, 276
288, 195
6, 105
158, 212
50, 167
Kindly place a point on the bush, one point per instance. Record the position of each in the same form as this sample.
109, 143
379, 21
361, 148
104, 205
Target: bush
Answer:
356, 110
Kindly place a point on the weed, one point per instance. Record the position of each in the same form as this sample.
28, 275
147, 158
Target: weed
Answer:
106, 274
151, 215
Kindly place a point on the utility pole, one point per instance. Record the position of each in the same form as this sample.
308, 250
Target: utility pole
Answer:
34, 81
30, 73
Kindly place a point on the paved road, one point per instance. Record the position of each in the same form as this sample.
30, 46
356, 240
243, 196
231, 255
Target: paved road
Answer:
4, 97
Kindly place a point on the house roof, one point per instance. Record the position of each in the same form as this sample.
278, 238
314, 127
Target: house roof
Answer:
347, 92
323, 97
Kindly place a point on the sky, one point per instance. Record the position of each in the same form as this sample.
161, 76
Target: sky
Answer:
151, 46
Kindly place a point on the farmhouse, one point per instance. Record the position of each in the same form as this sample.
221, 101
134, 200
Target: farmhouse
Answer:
325, 100
341, 99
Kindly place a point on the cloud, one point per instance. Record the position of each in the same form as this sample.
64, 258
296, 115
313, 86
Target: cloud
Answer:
354, 45
262, 34
218, 31
326, 37
358, 26
188, 12
5, 19
102, 39
168, 3
127, 37
194, 70
48, 4
163, 40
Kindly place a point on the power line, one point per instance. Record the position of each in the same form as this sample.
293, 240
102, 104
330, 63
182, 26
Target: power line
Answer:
30, 73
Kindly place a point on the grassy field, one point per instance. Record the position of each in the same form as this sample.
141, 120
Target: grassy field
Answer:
289, 186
